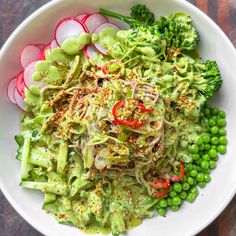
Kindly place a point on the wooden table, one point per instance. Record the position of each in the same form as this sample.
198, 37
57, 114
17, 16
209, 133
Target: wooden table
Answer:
13, 12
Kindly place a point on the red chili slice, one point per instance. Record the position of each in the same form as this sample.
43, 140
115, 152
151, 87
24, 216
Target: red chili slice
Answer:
180, 176
162, 194
159, 183
139, 124
104, 69
143, 108
131, 122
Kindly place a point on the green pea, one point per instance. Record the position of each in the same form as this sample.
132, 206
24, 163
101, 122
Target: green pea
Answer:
212, 153
222, 131
169, 201
190, 180
185, 186
221, 149
214, 118
161, 211
200, 177
201, 147
201, 184
174, 208
163, 203
183, 195
214, 130
205, 157
211, 122
214, 140
193, 149
214, 111
212, 165
221, 114
216, 158
205, 165
190, 198
223, 140
189, 166
199, 141
207, 147
196, 167
184, 144
172, 193
177, 187
206, 138
193, 173
194, 190
195, 156
177, 201
150, 200
207, 178
221, 122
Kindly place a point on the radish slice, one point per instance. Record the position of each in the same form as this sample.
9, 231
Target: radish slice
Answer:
53, 44
93, 21
69, 28
10, 90
19, 100
29, 53
43, 52
20, 84
82, 17
98, 31
90, 52
28, 75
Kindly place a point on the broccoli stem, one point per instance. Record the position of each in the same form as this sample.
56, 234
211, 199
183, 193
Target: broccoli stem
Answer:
126, 19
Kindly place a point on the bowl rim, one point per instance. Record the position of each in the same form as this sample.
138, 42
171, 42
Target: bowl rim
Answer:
218, 210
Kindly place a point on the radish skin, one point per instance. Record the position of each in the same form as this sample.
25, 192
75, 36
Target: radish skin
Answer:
93, 21
69, 28
19, 100
53, 44
97, 45
20, 84
11, 89
82, 17
90, 52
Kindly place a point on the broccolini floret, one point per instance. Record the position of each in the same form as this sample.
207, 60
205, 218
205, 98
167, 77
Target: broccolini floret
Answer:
178, 31
143, 14
211, 81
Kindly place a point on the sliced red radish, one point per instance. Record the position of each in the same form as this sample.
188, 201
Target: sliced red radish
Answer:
10, 90
29, 53
20, 84
93, 21
90, 52
82, 17
19, 100
98, 31
28, 75
53, 44
69, 28
43, 52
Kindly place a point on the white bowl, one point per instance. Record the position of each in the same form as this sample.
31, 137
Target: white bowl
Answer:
38, 28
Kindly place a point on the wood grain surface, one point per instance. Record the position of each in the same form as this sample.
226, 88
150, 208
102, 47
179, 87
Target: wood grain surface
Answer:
13, 12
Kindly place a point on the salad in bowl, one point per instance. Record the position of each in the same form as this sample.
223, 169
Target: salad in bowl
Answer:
116, 126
